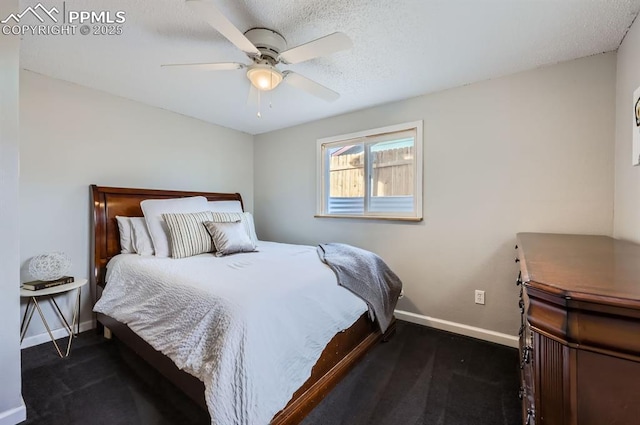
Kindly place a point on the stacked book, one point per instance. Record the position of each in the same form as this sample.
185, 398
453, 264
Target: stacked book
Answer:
37, 285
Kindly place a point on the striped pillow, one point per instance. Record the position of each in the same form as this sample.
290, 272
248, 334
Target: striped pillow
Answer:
246, 219
188, 236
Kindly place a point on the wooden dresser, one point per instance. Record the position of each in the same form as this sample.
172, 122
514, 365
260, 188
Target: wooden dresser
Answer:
580, 334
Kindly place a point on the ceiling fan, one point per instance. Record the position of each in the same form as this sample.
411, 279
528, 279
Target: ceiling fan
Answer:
267, 48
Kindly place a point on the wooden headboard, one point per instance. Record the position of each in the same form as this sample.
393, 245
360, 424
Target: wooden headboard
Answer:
108, 202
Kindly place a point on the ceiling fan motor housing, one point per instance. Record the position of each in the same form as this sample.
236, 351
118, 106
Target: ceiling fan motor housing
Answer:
269, 42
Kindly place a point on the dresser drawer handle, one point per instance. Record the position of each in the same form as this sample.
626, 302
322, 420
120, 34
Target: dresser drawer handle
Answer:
526, 356
529, 416
517, 260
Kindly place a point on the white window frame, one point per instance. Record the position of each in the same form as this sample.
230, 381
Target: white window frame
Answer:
322, 172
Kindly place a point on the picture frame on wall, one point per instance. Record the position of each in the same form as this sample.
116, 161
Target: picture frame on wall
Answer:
636, 127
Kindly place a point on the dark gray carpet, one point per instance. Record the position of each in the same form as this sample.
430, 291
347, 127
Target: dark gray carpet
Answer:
422, 376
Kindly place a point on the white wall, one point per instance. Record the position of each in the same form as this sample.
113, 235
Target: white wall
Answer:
528, 152
12, 408
627, 177
73, 136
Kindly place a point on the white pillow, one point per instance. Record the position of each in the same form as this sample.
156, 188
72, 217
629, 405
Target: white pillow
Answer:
225, 206
126, 235
142, 243
153, 210
245, 217
229, 237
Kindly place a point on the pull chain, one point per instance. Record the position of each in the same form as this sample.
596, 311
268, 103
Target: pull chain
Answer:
270, 105
259, 114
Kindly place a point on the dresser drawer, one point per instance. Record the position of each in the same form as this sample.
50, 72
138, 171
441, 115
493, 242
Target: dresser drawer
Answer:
526, 352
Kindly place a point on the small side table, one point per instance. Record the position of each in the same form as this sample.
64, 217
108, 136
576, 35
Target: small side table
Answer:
33, 305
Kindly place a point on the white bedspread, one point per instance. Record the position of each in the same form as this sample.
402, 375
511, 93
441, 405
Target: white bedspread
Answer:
250, 326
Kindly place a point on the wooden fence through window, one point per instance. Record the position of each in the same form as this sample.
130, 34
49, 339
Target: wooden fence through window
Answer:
393, 173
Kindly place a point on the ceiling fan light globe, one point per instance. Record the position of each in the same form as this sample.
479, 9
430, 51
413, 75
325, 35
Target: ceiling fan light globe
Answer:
264, 78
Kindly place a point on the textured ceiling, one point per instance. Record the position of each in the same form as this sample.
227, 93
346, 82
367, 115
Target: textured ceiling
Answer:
402, 48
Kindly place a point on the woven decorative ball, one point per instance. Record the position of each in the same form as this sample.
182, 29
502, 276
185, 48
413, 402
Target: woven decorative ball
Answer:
50, 266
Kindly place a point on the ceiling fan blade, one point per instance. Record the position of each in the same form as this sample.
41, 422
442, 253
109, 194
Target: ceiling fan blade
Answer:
217, 66
319, 47
210, 13
310, 86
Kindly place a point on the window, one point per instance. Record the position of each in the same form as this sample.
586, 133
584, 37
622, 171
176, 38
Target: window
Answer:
372, 174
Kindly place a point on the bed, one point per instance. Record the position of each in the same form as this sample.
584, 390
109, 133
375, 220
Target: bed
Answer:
338, 357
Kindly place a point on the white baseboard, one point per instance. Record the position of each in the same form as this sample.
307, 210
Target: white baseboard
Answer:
459, 328
419, 319
15, 415
30, 341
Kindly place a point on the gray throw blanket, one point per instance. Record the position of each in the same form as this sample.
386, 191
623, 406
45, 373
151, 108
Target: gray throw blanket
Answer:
366, 275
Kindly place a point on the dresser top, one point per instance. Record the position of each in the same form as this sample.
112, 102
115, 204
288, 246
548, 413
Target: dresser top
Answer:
582, 267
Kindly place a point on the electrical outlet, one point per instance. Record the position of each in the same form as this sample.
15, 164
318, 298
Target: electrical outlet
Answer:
479, 297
